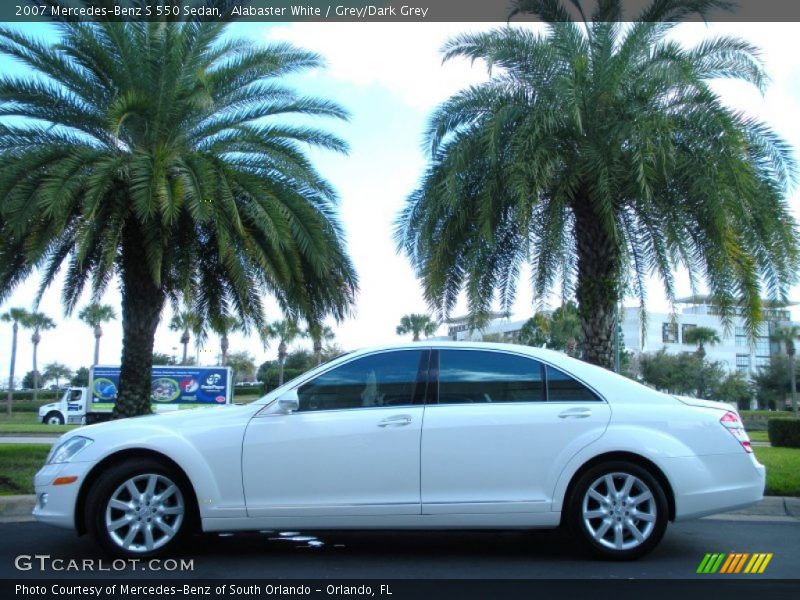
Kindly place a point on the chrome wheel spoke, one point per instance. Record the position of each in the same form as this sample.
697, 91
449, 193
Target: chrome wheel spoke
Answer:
142, 526
619, 511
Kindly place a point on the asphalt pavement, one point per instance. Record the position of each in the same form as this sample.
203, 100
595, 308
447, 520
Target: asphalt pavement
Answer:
426, 555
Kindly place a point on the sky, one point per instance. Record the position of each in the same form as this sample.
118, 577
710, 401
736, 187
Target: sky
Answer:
390, 77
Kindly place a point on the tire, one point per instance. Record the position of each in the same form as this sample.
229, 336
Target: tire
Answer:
618, 525
155, 522
53, 418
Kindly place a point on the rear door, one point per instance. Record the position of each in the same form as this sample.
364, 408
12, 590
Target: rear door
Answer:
500, 429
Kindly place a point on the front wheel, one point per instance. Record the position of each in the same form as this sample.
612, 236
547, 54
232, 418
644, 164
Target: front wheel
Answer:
618, 510
139, 509
53, 418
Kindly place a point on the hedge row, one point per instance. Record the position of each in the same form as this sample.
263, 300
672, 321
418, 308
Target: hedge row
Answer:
784, 432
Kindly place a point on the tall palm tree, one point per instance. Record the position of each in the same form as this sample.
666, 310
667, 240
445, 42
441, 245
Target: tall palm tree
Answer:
94, 315
37, 322
157, 152
286, 331
417, 324
15, 316
319, 333
187, 322
223, 326
786, 335
598, 153
702, 336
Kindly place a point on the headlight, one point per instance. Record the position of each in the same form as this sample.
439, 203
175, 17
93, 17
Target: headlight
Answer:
65, 451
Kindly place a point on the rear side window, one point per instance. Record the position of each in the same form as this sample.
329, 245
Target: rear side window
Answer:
471, 376
563, 388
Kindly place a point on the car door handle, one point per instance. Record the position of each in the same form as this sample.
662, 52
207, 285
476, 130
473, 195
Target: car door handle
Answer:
395, 421
575, 413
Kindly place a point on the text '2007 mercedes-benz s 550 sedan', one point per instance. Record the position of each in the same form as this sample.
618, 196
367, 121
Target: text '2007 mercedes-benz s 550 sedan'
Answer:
420, 436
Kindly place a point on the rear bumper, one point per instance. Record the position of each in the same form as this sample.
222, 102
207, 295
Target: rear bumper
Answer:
705, 485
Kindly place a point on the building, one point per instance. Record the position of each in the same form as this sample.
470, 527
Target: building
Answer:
664, 330
735, 351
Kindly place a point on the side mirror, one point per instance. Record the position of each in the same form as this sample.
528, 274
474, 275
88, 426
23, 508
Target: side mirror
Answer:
289, 402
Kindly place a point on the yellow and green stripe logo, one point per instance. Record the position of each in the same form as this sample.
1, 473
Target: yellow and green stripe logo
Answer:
734, 562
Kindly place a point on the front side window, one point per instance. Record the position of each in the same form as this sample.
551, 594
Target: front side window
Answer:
563, 388
385, 379
469, 376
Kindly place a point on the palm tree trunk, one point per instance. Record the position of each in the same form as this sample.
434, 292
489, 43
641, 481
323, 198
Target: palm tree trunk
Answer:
281, 359
97, 335
35, 340
793, 380
224, 347
318, 351
597, 289
15, 330
142, 302
185, 350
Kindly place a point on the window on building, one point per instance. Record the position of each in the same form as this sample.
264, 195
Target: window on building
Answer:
686, 327
762, 346
741, 337
761, 361
669, 333
743, 363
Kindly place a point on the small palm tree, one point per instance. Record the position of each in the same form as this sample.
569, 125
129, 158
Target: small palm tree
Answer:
286, 331
565, 328
223, 326
188, 322
786, 335
702, 336
319, 333
16, 316
37, 322
57, 371
94, 315
417, 324
598, 153
536, 330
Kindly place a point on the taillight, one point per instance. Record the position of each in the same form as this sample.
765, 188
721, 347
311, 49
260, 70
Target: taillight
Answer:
731, 421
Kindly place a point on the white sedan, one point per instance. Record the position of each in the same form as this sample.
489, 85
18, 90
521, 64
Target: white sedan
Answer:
422, 436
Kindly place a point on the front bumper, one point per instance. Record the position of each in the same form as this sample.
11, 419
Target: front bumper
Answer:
55, 504
706, 485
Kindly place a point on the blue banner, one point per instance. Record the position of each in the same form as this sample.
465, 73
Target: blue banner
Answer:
169, 385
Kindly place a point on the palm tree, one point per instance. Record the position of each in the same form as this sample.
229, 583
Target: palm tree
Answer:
223, 326
187, 322
38, 322
565, 328
417, 324
286, 331
702, 336
319, 333
94, 315
14, 316
156, 152
57, 371
786, 335
598, 153
536, 330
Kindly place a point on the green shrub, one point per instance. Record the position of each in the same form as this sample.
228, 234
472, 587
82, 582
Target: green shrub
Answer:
784, 432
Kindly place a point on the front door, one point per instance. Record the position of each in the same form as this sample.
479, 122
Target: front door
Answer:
352, 448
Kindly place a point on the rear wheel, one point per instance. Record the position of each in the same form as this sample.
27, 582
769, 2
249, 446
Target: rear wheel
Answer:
139, 508
618, 510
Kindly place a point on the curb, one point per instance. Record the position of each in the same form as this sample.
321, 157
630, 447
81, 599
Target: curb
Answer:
16, 508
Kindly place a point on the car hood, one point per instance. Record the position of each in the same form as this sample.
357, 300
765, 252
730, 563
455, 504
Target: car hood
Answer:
176, 421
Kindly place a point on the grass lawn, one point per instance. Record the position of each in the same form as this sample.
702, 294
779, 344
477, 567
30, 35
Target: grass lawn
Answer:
758, 436
783, 470
18, 464
27, 422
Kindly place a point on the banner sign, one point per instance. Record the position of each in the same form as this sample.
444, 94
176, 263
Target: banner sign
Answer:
172, 385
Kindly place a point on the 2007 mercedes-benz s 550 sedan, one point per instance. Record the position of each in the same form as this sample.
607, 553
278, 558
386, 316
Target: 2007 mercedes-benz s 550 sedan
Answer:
420, 436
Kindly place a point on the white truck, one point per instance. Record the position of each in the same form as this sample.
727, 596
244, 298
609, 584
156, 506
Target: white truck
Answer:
172, 388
